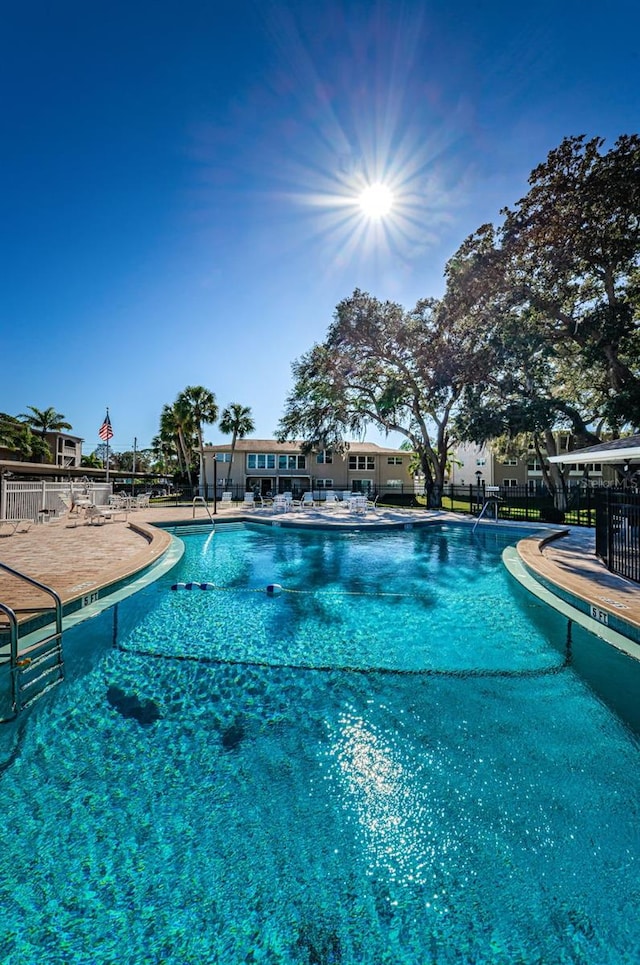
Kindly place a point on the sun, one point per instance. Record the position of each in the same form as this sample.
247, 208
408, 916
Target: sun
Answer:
376, 201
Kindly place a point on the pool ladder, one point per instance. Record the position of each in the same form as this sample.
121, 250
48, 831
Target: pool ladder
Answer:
489, 501
39, 666
201, 501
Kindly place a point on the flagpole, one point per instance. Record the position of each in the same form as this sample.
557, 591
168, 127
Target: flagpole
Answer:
107, 477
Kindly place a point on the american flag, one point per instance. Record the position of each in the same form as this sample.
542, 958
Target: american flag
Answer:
106, 432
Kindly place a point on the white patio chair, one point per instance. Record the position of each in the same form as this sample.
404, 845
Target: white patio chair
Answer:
357, 504
98, 514
226, 499
331, 500
307, 501
249, 501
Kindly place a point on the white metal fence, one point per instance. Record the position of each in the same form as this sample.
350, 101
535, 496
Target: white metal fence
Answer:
35, 500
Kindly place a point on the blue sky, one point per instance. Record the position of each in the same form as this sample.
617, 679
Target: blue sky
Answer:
180, 181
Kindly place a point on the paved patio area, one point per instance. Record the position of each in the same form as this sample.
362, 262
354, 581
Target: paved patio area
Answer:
76, 558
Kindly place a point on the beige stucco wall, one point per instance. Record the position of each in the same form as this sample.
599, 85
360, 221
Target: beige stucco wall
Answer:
339, 470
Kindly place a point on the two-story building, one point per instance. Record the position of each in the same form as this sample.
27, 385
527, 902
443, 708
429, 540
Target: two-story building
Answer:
266, 466
66, 451
478, 465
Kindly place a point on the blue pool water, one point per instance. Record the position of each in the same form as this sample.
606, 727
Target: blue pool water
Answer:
393, 761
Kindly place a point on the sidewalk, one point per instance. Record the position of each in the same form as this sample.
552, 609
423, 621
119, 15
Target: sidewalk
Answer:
570, 562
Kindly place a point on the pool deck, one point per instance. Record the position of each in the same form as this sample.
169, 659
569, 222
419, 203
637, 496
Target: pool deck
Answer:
76, 558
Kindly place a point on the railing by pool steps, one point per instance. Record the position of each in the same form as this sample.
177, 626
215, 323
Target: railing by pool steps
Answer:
39, 666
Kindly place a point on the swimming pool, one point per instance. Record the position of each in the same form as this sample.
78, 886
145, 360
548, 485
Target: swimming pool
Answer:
392, 761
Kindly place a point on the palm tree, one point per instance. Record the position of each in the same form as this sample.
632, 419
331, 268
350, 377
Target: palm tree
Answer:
176, 434
19, 439
201, 407
235, 421
9, 425
30, 447
45, 420
165, 453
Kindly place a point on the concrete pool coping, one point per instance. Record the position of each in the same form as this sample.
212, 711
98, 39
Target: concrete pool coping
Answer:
90, 565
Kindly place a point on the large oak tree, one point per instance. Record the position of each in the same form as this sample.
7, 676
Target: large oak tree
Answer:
554, 293
402, 371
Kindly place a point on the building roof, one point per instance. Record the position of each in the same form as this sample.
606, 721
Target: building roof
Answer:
42, 469
618, 450
271, 445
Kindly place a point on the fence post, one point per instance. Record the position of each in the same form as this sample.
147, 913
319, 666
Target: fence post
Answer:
609, 531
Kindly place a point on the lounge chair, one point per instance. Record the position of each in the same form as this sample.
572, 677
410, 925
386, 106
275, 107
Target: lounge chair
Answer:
249, 501
14, 526
226, 499
98, 514
307, 500
331, 500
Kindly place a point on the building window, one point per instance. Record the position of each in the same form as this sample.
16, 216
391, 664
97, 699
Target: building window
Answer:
223, 457
323, 483
292, 462
325, 457
393, 483
510, 462
534, 465
585, 467
510, 483
394, 460
481, 462
361, 485
261, 460
362, 462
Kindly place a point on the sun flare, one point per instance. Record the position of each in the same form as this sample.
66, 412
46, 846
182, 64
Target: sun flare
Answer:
376, 200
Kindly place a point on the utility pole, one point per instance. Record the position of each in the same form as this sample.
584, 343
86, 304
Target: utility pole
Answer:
133, 471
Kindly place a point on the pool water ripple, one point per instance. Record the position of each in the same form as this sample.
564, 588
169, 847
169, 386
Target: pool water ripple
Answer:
285, 816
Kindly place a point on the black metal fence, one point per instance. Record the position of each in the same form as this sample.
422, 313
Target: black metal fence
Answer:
513, 503
182, 495
614, 513
520, 503
618, 532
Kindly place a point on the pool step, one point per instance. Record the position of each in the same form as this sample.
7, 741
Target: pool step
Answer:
39, 668
189, 529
